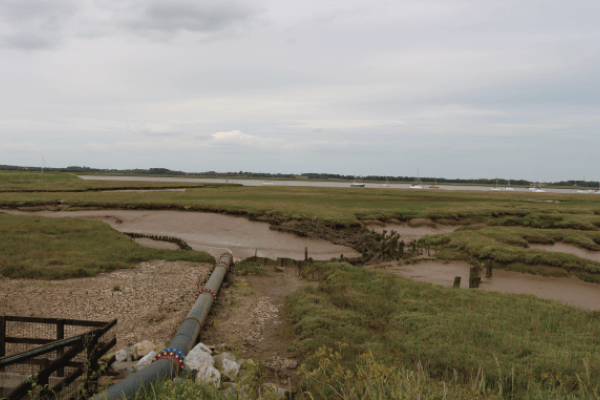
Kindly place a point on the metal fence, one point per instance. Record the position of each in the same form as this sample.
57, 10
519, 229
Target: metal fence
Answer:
57, 357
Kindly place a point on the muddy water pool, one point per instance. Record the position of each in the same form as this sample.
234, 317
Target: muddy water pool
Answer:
213, 233
409, 234
569, 249
570, 291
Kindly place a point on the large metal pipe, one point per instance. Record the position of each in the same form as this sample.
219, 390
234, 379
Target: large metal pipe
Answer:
182, 343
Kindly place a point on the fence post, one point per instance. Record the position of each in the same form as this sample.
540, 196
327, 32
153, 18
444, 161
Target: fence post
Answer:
306, 254
60, 334
2, 336
91, 379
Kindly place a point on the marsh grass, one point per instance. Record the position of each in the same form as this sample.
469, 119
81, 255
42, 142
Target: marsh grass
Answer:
67, 182
56, 248
509, 247
513, 346
342, 207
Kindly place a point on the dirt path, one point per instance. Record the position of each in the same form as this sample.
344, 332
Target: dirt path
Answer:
250, 315
570, 291
149, 304
210, 232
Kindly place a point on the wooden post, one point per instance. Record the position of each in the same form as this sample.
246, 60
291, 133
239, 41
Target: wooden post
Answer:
2, 338
60, 334
489, 269
306, 254
457, 280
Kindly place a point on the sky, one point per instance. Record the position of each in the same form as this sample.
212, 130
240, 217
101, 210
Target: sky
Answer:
452, 88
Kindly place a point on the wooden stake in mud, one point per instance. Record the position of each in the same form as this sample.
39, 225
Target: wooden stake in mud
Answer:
306, 254
457, 280
488, 273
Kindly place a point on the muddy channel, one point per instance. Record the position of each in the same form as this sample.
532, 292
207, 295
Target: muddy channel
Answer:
570, 291
210, 232
569, 249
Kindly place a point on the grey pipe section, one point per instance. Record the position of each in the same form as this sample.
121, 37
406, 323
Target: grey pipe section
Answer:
184, 340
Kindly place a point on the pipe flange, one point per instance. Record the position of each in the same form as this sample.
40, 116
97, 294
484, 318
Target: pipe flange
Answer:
206, 291
172, 353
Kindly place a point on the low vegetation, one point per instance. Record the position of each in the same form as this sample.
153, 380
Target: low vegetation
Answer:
26, 182
366, 333
509, 248
59, 248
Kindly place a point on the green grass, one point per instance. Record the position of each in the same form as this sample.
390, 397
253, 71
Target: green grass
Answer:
517, 346
509, 248
56, 248
335, 206
249, 267
37, 178
67, 182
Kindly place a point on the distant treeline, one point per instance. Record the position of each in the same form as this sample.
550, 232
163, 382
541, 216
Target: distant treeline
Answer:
310, 175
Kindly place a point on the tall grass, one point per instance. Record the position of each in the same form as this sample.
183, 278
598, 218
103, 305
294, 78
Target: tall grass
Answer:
514, 346
56, 248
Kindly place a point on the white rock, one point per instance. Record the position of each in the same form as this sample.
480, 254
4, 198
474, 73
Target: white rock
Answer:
197, 358
223, 356
230, 369
204, 347
208, 374
124, 355
146, 360
143, 348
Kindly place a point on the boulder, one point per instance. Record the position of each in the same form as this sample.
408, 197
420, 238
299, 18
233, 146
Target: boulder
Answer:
143, 348
208, 374
197, 358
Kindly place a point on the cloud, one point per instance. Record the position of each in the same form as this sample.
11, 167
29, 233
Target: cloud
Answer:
193, 16
153, 129
34, 24
232, 136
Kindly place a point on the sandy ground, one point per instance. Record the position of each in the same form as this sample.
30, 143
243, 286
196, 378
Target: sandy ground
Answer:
570, 249
570, 291
409, 234
210, 232
150, 304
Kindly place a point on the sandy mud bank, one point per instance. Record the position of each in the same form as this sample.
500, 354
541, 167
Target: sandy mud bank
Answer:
570, 291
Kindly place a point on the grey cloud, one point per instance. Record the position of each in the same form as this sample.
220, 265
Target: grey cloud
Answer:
34, 24
175, 16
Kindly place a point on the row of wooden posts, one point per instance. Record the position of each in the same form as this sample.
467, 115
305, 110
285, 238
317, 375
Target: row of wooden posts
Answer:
475, 275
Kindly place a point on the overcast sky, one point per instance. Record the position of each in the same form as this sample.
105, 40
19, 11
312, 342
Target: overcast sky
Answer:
454, 88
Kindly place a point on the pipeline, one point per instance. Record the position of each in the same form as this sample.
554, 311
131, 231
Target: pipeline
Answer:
170, 361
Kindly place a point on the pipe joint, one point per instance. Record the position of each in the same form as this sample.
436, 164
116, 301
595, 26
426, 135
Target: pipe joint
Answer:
172, 354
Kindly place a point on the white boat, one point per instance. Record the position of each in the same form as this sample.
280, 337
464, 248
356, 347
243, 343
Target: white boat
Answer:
267, 183
356, 184
417, 184
386, 183
496, 187
508, 187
